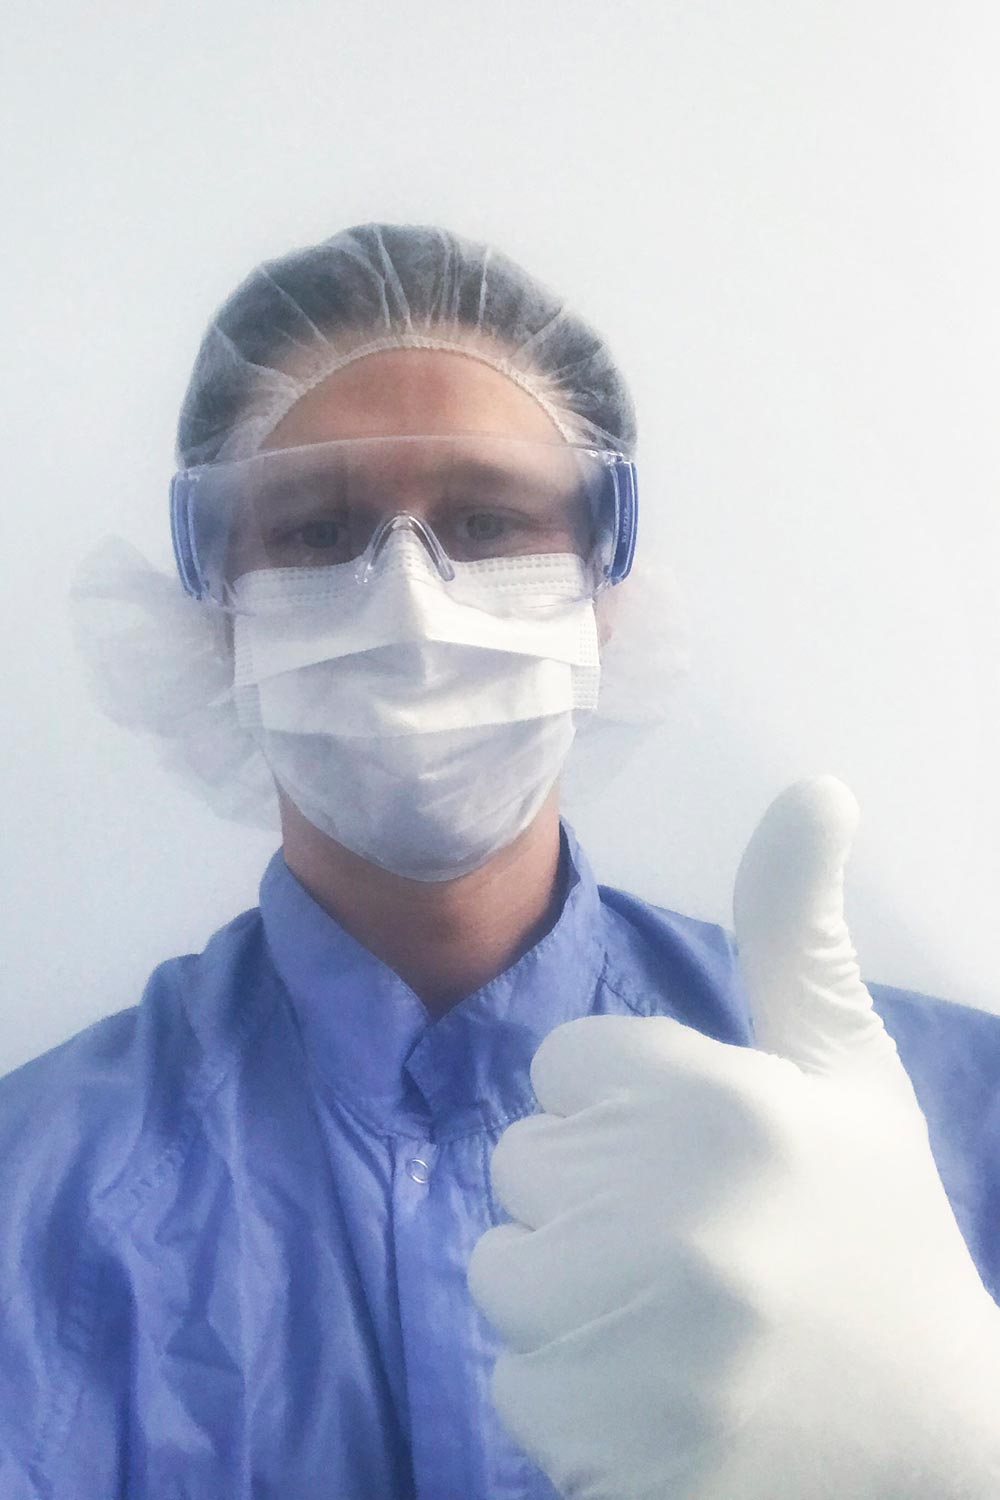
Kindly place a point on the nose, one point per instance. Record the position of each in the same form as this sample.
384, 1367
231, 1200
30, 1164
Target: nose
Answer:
406, 525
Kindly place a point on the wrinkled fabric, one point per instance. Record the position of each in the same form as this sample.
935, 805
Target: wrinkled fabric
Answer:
235, 1219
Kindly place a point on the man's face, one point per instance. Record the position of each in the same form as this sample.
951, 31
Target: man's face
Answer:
413, 393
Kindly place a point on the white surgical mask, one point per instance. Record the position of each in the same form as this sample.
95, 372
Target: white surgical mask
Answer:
419, 723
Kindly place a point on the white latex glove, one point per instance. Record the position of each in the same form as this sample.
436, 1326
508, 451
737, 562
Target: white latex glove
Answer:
735, 1273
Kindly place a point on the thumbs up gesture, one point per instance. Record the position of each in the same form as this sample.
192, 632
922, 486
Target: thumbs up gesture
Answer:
734, 1273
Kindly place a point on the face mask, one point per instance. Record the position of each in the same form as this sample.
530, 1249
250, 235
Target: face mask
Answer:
419, 723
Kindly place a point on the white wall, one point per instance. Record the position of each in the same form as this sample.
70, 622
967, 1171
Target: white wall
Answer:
782, 214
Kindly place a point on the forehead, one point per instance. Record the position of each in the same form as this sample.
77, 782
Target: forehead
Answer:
408, 392
355, 469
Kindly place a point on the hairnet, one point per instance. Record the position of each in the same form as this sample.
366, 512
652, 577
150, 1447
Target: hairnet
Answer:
159, 661
296, 320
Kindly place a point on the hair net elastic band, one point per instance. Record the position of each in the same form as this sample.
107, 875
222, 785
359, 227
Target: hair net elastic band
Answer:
282, 403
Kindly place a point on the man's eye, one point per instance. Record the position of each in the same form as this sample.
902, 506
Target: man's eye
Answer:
483, 526
318, 534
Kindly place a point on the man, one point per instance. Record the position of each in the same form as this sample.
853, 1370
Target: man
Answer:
239, 1218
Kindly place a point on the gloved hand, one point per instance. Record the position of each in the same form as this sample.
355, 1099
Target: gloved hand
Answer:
735, 1273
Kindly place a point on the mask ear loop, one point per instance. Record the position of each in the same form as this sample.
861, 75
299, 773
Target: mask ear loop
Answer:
403, 521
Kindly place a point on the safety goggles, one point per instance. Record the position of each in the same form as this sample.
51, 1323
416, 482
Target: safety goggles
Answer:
472, 501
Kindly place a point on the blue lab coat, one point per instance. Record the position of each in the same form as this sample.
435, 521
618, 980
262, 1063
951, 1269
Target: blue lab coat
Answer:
235, 1219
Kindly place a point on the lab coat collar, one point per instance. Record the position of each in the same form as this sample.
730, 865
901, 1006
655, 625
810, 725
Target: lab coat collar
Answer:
370, 1039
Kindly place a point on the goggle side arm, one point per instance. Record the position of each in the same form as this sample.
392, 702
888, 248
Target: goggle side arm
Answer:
180, 532
626, 519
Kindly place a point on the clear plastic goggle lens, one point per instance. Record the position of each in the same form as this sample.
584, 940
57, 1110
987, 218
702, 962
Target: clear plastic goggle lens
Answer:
470, 500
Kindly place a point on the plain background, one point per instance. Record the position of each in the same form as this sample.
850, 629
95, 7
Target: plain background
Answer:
782, 214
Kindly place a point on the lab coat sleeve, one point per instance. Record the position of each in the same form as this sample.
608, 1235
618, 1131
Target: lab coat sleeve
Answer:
63, 1305
952, 1055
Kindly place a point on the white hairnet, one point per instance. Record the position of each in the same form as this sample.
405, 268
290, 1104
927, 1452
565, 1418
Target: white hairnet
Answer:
294, 321
159, 660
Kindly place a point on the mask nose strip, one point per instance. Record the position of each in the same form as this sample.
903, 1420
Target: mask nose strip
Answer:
409, 526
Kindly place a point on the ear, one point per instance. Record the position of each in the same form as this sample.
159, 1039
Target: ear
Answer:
606, 610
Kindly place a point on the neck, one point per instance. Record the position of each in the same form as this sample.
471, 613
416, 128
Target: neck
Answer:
444, 938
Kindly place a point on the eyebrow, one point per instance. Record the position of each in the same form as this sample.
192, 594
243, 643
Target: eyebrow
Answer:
479, 469
467, 468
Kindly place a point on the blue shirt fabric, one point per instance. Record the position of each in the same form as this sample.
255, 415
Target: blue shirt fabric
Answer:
235, 1219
